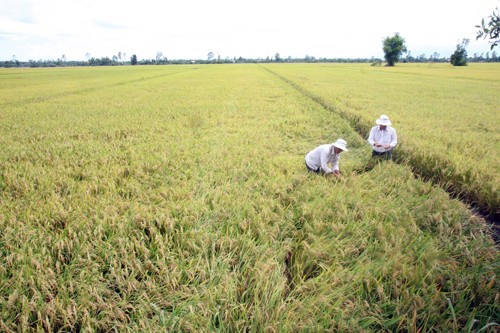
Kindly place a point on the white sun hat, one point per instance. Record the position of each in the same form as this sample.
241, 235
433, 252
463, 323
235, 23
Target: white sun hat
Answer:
341, 144
383, 120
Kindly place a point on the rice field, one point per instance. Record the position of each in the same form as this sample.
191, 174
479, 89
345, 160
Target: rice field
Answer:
448, 118
175, 198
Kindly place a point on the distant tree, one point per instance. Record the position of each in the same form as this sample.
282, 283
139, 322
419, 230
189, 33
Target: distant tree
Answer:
210, 56
459, 57
105, 61
133, 59
490, 30
393, 48
277, 57
15, 61
159, 57
409, 57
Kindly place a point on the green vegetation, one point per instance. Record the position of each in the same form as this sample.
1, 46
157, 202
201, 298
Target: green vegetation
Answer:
175, 198
393, 48
491, 29
459, 57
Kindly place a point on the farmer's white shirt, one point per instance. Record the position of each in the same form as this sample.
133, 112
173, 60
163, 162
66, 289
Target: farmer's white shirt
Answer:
384, 137
321, 156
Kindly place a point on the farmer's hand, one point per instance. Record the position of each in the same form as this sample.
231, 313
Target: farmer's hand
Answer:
387, 146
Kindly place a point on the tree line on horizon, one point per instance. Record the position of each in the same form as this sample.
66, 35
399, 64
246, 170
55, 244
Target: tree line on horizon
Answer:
106, 61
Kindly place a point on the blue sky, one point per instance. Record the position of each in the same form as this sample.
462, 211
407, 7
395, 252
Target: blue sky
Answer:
190, 29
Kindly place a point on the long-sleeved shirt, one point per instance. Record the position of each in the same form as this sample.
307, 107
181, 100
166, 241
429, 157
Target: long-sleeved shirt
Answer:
384, 137
321, 156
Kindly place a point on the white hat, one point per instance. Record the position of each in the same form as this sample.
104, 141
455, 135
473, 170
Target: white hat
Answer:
383, 120
341, 144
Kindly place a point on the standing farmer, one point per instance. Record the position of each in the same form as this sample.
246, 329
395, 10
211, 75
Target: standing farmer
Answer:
383, 138
318, 159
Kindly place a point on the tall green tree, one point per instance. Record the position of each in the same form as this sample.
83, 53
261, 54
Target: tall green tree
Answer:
393, 48
490, 30
459, 57
133, 60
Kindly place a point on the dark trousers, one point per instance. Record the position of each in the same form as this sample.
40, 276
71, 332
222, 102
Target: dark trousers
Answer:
312, 170
385, 155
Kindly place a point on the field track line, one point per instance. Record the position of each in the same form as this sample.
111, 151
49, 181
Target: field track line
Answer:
41, 99
490, 215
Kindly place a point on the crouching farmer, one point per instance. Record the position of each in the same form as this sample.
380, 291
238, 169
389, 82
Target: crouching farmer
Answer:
319, 159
